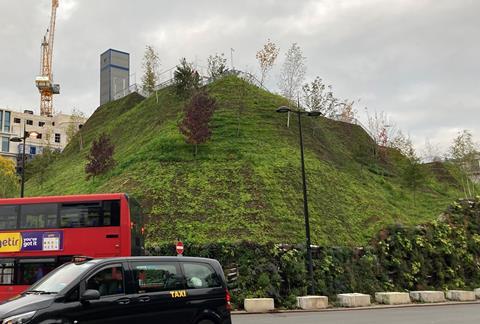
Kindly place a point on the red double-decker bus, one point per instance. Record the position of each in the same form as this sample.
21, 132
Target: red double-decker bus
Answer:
39, 234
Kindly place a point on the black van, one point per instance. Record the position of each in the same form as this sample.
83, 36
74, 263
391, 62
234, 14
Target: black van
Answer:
180, 290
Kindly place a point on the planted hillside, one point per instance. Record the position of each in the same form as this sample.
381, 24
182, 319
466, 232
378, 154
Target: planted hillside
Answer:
245, 183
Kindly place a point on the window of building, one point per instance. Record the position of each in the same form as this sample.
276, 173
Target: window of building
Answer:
29, 122
41, 124
5, 144
39, 136
17, 120
57, 138
6, 122
200, 275
53, 123
1, 119
108, 281
80, 126
156, 276
33, 150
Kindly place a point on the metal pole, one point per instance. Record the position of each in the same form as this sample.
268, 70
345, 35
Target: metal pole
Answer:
23, 163
305, 211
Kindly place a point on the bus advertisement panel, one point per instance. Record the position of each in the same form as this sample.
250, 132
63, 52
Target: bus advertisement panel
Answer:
39, 234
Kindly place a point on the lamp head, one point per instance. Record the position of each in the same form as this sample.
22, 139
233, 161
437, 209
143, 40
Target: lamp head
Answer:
283, 109
314, 113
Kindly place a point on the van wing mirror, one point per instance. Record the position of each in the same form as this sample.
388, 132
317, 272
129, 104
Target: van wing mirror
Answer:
90, 294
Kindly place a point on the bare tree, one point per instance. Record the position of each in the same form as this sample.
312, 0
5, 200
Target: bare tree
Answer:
293, 72
382, 130
431, 152
317, 96
76, 122
346, 112
217, 65
266, 59
403, 144
150, 64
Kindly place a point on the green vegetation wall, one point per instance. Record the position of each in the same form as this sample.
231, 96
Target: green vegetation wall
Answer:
443, 254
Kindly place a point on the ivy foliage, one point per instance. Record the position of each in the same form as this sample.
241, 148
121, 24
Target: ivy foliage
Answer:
443, 254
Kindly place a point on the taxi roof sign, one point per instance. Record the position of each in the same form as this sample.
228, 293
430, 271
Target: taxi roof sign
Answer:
81, 258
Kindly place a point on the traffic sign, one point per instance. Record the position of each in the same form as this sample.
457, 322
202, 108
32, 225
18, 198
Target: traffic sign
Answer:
179, 248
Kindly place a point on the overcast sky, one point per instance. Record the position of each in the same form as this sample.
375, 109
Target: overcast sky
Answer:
416, 60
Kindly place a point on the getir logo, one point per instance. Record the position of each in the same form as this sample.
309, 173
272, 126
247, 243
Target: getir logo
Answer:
10, 242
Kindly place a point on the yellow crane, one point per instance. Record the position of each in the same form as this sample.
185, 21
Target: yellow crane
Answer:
44, 81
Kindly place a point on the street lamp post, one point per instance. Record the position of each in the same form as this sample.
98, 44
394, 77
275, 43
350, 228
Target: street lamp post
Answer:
24, 140
299, 113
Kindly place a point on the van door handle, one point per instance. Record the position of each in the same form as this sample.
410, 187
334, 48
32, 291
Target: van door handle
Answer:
144, 299
123, 301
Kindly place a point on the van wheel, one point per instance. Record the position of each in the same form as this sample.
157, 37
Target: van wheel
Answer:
206, 321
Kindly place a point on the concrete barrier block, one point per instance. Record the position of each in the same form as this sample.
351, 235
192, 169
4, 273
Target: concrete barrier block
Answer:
477, 293
353, 300
392, 298
258, 305
312, 302
460, 295
428, 296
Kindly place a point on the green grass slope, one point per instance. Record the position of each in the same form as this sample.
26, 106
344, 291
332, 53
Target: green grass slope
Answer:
245, 184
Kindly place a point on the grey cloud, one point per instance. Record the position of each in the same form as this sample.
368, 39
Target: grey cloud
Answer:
416, 60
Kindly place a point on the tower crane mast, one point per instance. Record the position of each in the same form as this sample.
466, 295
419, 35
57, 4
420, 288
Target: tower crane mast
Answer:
44, 81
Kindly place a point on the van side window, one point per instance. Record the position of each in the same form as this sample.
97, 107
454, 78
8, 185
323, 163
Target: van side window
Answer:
200, 275
73, 295
156, 276
108, 281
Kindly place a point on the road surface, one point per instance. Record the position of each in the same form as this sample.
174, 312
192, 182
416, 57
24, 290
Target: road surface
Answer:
451, 314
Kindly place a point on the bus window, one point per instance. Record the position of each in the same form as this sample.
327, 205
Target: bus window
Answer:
80, 215
38, 216
32, 270
6, 271
8, 217
111, 213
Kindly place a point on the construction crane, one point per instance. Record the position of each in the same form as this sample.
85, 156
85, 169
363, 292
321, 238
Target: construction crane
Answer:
44, 81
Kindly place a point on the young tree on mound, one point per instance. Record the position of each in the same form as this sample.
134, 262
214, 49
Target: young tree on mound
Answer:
73, 128
464, 152
186, 79
413, 173
217, 65
293, 72
8, 178
100, 158
150, 64
266, 59
198, 113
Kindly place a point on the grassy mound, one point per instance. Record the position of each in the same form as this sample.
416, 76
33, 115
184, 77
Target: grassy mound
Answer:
245, 183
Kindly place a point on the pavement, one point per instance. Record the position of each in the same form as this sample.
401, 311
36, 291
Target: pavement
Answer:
418, 314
